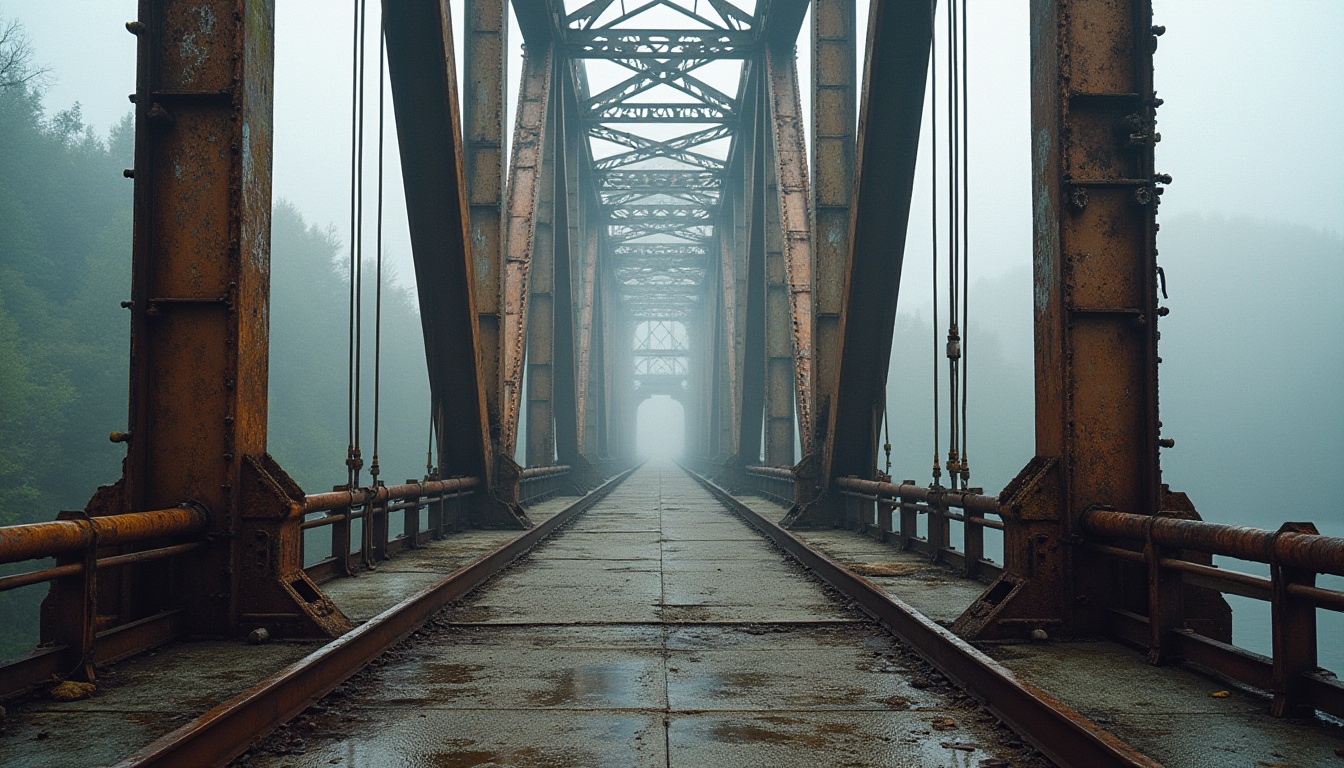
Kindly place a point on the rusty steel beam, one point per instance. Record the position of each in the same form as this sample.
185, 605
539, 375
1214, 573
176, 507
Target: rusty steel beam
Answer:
833, 114
564, 393
794, 204
541, 313
199, 362
485, 64
752, 391
530, 144
780, 405
37, 540
1095, 202
588, 339
900, 33
424, 97
726, 401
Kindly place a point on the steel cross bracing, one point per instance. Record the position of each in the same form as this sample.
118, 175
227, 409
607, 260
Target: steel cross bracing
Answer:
660, 89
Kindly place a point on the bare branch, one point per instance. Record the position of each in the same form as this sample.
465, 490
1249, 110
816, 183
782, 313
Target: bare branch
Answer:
16, 57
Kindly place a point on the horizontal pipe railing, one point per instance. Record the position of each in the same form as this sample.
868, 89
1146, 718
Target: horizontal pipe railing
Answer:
32, 541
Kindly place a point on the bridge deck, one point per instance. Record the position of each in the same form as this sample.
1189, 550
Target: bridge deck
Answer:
657, 630
1168, 713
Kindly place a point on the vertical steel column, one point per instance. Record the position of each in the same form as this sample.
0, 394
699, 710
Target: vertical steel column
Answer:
564, 394
754, 330
897, 69
796, 225
531, 143
1095, 200
541, 312
833, 115
727, 337
589, 338
424, 94
199, 363
780, 405
485, 62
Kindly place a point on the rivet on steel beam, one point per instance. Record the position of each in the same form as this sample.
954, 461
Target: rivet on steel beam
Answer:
228, 457
1163, 311
135, 27
128, 305
1162, 178
131, 97
119, 437
1167, 442
1079, 198
129, 173
1159, 30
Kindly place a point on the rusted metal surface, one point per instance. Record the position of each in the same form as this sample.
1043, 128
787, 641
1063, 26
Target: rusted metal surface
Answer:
750, 423
833, 115
564, 397
899, 38
485, 68
34, 540
541, 315
1095, 199
224, 732
1064, 735
794, 204
780, 405
1291, 549
530, 146
424, 94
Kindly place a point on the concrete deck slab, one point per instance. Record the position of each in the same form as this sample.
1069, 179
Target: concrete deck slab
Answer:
1165, 712
143, 698
710, 651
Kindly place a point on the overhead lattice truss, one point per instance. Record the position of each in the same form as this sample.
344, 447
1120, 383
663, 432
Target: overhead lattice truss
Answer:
660, 85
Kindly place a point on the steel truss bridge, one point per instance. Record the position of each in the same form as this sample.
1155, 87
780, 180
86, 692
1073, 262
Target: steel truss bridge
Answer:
653, 231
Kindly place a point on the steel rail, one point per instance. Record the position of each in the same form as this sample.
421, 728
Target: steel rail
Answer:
223, 733
30, 541
1057, 730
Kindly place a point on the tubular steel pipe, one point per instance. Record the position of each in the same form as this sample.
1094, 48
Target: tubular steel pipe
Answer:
533, 473
779, 473
1307, 551
326, 502
35, 540
74, 569
971, 502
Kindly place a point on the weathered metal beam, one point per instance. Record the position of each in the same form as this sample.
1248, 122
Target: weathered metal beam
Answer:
833, 113
530, 145
900, 33
199, 357
795, 216
485, 62
424, 96
754, 331
780, 405
565, 402
1095, 203
541, 314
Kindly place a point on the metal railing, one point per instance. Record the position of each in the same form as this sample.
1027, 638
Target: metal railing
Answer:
1296, 555
538, 483
440, 500
872, 508
84, 547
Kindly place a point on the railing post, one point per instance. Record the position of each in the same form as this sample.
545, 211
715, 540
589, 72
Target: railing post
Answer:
885, 508
973, 541
411, 518
1165, 604
939, 527
340, 536
1294, 631
74, 628
909, 519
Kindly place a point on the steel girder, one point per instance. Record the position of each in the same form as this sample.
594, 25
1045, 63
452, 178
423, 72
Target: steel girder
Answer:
1095, 193
530, 145
424, 97
541, 291
484, 69
899, 38
795, 216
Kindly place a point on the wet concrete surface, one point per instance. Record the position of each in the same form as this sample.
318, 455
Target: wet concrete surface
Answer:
143, 698
657, 630
1165, 712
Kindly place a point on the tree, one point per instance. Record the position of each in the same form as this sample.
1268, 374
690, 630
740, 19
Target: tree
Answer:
16, 58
